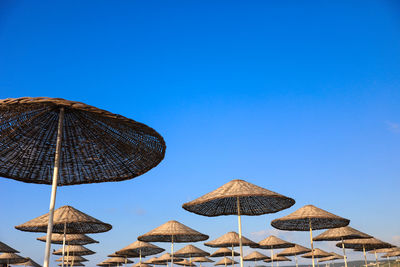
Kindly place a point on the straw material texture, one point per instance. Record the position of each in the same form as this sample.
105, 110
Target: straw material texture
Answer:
173, 231
30, 262
77, 222
150, 261
222, 252
75, 264
368, 244
75, 250
70, 239
7, 249
296, 250
117, 260
394, 253
382, 250
337, 234
230, 239
225, 260
97, 146
277, 258
166, 257
301, 218
254, 200
140, 247
318, 253
330, 258
273, 242
190, 251
72, 258
201, 259
11, 258
185, 262
140, 265
255, 256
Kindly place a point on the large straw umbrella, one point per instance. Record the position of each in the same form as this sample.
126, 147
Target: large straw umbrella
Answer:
201, 259
294, 251
277, 259
4, 248
140, 248
365, 244
239, 197
173, 232
225, 261
255, 256
70, 239
29, 262
82, 143
185, 262
11, 258
231, 239
272, 242
190, 251
309, 218
316, 253
340, 234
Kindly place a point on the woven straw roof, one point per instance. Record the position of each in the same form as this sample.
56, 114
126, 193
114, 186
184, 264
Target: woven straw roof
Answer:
277, 258
74, 258
255, 256
150, 261
166, 257
103, 263
7, 249
337, 234
71, 239
300, 220
11, 258
274, 242
331, 258
117, 260
146, 249
140, 264
191, 251
382, 250
77, 222
201, 259
97, 146
225, 260
175, 231
114, 255
367, 243
318, 253
30, 262
254, 200
224, 251
230, 239
75, 250
185, 262
296, 250
75, 264
394, 253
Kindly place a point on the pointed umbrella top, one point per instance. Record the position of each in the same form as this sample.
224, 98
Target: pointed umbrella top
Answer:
272, 242
191, 251
185, 262
255, 256
224, 251
301, 219
75, 250
202, 259
173, 231
318, 253
71, 239
296, 250
30, 262
140, 247
254, 200
11, 258
75, 220
367, 243
230, 239
225, 260
5, 248
337, 234
277, 258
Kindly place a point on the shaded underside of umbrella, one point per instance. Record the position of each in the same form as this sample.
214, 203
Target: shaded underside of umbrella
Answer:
98, 146
11, 258
71, 239
173, 231
190, 251
75, 250
318, 253
331, 258
4, 248
141, 264
364, 244
394, 253
74, 258
301, 219
273, 242
254, 200
75, 264
140, 248
230, 239
166, 257
255, 256
117, 260
151, 261
296, 250
277, 258
185, 262
341, 233
107, 264
201, 259
30, 262
224, 251
225, 261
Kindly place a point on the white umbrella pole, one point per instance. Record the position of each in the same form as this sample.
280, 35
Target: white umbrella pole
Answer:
225, 260
63, 247
233, 257
312, 245
68, 254
376, 258
344, 254
272, 257
54, 188
240, 232
140, 257
365, 256
172, 252
295, 257
388, 260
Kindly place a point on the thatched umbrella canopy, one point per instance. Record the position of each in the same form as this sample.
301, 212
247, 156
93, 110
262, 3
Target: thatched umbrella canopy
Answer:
7, 249
70, 239
29, 262
141, 264
140, 249
394, 253
190, 251
318, 253
222, 252
382, 250
185, 262
150, 261
334, 256
117, 260
166, 257
277, 259
82, 143
11, 258
225, 261
294, 251
173, 231
201, 259
272, 242
340, 234
75, 250
74, 258
255, 256
239, 197
309, 218
75, 264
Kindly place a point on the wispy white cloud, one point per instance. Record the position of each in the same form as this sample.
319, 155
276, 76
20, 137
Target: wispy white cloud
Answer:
393, 126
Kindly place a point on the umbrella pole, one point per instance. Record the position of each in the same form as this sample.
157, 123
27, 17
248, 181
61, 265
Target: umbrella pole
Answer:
140, 257
376, 258
365, 256
272, 257
240, 232
172, 252
63, 247
225, 260
68, 254
388, 260
312, 245
344, 254
126, 260
295, 257
54, 188
233, 257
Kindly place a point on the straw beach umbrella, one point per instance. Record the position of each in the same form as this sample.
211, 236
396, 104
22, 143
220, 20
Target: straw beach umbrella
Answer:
70, 239
309, 218
316, 253
294, 251
382, 250
141, 249
190, 251
272, 242
239, 197
225, 261
29, 262
82, 143
74, 258
255, 256
11, 258
75, 264
165, 258
201, 259
222, 252
277, 259
185, 262
173, 232
140, 264
340, 234
7, 249
333, 257
76, 250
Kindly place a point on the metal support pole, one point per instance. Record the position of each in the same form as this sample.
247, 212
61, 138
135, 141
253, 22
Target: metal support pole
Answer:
54, 188
344, 254
312, 244
63, 247
240, 232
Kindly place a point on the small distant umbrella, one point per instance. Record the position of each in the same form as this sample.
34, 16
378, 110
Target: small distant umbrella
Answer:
277, 259
70, 239
75, 258
185, 262
165, 258
309, 218
340, 234
11, 258
222, 252
117, 260
75, 264
173, 231
239, 197
255, 256
29, 262
190, 251
150, 261
76, 250
272, 242
125, 255
201, 259
140, 248
294, 251
318, 253
331, 258
140, 264
394, 253
82, 143
225, 261
381, 250
7, 249
364, 244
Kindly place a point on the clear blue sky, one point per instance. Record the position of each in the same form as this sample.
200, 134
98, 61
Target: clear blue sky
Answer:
299, 97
